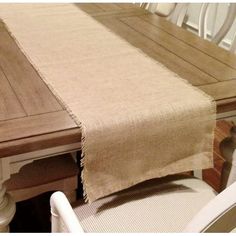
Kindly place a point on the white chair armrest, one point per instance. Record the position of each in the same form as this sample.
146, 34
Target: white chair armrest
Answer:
214, 211
62, 210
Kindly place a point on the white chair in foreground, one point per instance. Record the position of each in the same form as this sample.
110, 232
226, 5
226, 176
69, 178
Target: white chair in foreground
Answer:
170, 204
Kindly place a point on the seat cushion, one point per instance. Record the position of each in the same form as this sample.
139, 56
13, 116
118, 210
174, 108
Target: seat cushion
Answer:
159, 205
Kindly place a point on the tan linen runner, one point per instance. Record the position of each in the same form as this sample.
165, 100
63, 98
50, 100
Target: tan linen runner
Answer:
139, 120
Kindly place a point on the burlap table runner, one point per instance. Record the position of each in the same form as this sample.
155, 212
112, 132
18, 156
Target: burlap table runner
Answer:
139, 120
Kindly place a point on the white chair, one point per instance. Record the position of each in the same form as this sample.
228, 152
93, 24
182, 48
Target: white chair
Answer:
174, 12
170, 204
224, 29
178, 14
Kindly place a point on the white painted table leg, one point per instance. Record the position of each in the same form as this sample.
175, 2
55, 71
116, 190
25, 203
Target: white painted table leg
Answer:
7, 205
7, 209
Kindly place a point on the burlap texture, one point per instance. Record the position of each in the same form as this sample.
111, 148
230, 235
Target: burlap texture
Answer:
139, 120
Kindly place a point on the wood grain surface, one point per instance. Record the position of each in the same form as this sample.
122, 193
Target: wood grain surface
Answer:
35, 125
10, 107
31, 118
32, 92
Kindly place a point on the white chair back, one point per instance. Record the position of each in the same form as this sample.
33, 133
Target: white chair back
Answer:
204, 16
177, 12
177, 15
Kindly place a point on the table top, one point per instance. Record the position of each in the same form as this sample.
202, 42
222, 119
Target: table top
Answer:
31, 118
202, 63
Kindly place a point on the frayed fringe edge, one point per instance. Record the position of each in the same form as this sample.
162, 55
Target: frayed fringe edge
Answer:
81, 126
55, 93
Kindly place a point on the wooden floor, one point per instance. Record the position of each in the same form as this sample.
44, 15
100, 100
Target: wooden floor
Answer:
34, 215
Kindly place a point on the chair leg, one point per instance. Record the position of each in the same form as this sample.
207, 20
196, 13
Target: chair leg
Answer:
7, 209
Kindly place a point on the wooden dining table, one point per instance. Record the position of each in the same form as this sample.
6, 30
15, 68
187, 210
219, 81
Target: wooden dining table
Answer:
200, 62
34, 124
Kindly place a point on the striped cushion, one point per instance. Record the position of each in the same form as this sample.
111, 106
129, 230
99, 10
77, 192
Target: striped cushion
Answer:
148, 207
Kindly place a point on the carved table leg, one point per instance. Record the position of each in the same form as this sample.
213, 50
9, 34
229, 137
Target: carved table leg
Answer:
7, 209
228, 150
7, 205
